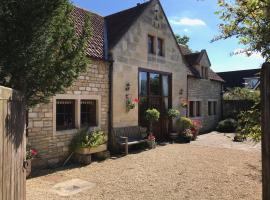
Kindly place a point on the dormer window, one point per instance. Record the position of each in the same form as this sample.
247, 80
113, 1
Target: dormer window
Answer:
204, 73
151, 44
160, 47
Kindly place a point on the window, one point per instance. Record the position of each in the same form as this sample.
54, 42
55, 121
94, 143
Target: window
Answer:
204, 73
212, 108
191, 109
65, 114
160, 46
194, 109
151, 45
88, 113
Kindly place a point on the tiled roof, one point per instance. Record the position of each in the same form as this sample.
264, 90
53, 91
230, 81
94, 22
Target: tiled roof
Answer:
95, 48
236, 78
192, 59
119, 23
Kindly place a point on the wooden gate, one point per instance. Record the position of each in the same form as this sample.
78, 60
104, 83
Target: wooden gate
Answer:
12, 145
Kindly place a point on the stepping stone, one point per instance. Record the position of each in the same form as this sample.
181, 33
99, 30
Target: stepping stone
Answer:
72, 187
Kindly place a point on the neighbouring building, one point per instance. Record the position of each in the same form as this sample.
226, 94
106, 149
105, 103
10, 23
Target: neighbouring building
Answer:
134, 55
242, 78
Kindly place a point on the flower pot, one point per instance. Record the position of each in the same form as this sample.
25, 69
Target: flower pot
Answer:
92, 150
152, 144
173, 136
28, 167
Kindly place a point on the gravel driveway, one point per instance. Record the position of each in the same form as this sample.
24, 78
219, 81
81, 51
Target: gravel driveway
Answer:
197, 171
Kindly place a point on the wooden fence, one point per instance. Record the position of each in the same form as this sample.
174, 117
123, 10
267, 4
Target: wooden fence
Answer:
12, 145
265, 101
231, 108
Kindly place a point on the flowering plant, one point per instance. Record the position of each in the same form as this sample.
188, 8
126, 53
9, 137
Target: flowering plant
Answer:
151, 137
30, 153
197, 124
130, 104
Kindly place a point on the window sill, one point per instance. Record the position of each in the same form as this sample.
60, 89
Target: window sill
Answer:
67, 132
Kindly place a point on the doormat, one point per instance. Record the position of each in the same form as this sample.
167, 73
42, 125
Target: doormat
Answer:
72, 187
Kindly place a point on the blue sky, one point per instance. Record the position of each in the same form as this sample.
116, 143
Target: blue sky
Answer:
194, 18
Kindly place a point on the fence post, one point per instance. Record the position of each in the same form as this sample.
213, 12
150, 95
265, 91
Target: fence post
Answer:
265, 107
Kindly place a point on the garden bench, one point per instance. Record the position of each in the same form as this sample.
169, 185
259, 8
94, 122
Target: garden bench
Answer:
128, 136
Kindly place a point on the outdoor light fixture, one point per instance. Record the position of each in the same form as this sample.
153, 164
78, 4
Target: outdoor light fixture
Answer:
127, 86
181, 91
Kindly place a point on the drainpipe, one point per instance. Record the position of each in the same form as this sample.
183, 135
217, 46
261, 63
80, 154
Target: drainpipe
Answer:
110, 113
221, 100
187, 99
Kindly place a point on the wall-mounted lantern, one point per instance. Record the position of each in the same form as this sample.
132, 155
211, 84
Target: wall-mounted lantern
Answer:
181, 91
127, 86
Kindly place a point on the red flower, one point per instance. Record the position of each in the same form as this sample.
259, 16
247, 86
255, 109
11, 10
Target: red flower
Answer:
136, 100
197, 124
151, 137
34, 152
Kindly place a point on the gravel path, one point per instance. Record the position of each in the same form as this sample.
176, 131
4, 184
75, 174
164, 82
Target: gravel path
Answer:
193, 171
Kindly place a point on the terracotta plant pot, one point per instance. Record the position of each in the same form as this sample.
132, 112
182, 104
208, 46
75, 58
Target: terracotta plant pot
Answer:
28, 167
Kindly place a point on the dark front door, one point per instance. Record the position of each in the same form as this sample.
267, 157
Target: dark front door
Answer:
155, 92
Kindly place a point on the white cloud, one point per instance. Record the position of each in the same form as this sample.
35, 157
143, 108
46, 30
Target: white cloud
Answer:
186, 30
187, 22
254, 55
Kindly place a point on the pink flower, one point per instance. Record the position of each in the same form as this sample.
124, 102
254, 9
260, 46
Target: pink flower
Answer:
136, 100
34, 152
197, 124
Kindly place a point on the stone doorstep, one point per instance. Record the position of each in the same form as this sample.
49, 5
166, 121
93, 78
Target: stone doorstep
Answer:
72, 187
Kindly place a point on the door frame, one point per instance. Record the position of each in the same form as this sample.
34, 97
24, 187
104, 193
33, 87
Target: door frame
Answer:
169, 74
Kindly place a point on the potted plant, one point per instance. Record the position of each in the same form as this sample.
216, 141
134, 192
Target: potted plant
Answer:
186, 136
86, 142
131, 104
172, 114
152, 115
151, 140
30, 154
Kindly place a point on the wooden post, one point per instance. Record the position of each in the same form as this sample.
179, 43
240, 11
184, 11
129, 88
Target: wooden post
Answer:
265, 105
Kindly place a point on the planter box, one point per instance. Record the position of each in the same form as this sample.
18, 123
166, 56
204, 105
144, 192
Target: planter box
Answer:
87, 151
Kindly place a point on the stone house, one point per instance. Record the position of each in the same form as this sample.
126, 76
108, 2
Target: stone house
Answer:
134, 55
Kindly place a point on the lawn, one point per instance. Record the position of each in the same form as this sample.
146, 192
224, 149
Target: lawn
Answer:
202, 170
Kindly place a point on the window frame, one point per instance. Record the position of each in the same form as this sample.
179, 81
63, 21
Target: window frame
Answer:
160, 50
78, 99
196, 108
152, 51
65, 113
212, 107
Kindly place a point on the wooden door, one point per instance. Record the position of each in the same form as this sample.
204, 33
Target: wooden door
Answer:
155, 92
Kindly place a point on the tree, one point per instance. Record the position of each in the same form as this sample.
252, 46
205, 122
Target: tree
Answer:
247, 20
182, 40
40, 53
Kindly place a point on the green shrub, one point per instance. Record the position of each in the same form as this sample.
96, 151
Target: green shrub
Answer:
152, 114
173, 113
227, 126
85, 139
249, 124
184, 123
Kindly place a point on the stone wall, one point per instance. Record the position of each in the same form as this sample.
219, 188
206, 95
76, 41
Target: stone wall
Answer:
206, 90
52, 146
131, 53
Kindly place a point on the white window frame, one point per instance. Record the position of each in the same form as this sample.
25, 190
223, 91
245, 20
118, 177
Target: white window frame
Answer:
77, 99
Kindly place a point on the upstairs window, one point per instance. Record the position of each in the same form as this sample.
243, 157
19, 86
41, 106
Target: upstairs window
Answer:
88, 113
204, 73
151, 45
160, 46
65, 114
